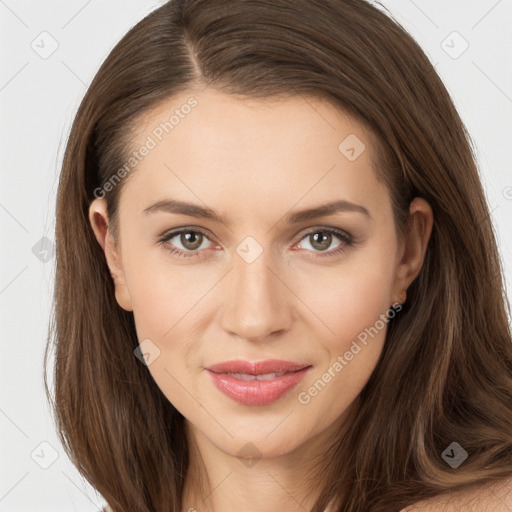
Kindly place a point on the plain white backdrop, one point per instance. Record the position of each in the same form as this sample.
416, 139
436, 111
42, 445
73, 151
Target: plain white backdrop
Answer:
50, 53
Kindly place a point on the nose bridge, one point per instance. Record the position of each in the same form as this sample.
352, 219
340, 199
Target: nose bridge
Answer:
257, 302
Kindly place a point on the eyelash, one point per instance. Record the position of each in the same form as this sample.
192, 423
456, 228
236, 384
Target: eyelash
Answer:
347, 240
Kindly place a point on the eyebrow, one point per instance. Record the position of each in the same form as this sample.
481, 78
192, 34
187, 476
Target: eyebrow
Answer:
193, 210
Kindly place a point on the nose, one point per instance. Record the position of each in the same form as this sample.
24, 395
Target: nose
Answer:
258, 304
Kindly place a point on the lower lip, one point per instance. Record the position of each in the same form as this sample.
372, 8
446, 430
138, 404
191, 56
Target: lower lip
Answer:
257, 392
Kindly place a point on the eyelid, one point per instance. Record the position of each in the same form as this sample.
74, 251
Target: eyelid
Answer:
317, 229
346, 238
164, 238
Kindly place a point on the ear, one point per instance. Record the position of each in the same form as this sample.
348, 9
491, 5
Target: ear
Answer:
413, 247
99, 221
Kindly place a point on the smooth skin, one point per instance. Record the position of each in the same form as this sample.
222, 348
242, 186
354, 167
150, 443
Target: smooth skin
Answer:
254, 162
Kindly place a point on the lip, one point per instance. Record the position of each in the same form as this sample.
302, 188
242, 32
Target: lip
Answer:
257, 392
256, 367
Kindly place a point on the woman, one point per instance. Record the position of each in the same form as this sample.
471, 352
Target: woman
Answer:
277, 283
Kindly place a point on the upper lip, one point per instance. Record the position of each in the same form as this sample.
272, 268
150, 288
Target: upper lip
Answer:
256, 367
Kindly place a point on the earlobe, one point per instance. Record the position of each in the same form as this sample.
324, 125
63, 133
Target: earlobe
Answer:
98, 219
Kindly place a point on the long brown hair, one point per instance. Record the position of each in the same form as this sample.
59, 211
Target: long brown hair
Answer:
445, 373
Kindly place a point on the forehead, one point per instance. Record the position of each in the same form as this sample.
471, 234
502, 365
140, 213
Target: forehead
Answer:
250, 153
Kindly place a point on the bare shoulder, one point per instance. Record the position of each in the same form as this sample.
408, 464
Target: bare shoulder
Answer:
495, 497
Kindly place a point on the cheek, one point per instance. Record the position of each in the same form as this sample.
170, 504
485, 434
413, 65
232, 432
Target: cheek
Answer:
353, 310
347, 299
157, 306
163, 293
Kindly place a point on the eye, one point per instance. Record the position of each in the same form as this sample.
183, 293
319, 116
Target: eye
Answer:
322, 238
191, 241
194, 241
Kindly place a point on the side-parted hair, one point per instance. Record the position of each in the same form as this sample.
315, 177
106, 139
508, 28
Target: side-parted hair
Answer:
445, 373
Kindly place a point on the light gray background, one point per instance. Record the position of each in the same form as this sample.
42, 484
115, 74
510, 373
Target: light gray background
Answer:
39, 95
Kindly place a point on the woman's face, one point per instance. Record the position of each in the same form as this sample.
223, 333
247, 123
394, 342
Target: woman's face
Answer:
267, 281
